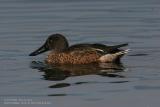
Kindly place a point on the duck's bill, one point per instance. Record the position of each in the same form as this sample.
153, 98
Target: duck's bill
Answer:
40, 50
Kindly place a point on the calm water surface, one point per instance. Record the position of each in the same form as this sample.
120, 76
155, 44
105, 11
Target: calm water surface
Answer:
25, 24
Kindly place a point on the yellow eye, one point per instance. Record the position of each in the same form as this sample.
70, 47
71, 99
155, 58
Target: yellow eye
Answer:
50, 40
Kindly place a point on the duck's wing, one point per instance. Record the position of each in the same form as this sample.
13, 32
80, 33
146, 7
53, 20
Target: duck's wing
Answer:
84, 48
109, 49
106, 47
101, 48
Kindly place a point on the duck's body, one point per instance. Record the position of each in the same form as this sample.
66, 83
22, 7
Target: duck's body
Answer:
80, 53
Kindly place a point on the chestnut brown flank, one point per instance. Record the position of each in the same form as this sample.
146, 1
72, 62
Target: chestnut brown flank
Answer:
73, 57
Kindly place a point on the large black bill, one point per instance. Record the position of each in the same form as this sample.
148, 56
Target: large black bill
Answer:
42, 49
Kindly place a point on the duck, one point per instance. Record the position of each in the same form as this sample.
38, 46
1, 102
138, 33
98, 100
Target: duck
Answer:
83, 53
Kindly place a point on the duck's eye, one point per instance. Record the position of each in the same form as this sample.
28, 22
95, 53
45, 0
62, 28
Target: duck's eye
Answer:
50, 41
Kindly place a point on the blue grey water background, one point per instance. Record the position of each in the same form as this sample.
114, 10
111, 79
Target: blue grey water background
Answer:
25, 24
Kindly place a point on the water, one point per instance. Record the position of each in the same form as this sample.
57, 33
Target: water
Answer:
25, 24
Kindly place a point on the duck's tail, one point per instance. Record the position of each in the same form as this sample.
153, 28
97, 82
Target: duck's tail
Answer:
122, 52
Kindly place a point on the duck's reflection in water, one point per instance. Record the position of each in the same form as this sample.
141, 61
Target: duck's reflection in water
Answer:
61, 72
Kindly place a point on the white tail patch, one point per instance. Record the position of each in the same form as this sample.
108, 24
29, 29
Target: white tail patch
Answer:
127, 50
122, 52
113, 57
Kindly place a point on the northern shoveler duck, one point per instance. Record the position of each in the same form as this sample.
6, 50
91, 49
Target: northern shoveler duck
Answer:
62, 53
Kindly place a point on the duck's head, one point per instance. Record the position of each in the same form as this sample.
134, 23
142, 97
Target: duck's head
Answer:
56, 42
